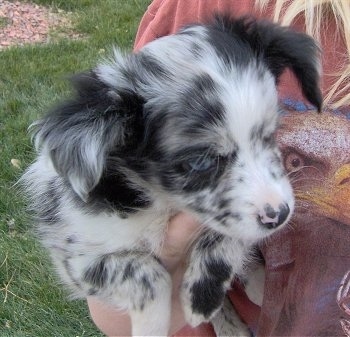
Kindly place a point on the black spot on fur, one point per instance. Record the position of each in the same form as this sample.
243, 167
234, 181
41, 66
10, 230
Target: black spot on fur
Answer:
114, 193
227, 217
206, 296
97, 274
201, 102
146, 284
114, 275
227, 37
129, 271
219, 270
223, 216
151, 65
196, 50
201, 209
269, 141
257, 132
210, 241
224, 203
147, 290
259, 136
208, 293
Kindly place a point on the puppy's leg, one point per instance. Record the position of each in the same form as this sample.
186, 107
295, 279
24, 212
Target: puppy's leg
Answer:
132, 281
227, 323
255, 283
214, 261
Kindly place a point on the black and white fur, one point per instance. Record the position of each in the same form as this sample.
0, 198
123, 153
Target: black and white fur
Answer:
185, 124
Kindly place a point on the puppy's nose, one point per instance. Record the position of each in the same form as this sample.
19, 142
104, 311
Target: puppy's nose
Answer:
271, 217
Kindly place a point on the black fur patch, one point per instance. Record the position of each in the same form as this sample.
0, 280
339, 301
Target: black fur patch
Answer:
206, 296
152, 66
201, 102
257, 133
129, 271
222, 218
147, 286
224, 203
228, 39
97, 274
218, 269
113, 193
208, 293
209, 240
196, 50
148, 292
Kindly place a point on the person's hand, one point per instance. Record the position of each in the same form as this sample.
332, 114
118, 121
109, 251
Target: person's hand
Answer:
182, 230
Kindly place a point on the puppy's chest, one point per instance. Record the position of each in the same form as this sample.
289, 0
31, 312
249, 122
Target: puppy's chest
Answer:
108, 233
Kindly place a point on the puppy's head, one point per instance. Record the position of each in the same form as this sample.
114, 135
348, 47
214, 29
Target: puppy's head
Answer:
190, 118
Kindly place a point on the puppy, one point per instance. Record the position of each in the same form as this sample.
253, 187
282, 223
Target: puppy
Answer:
185, 124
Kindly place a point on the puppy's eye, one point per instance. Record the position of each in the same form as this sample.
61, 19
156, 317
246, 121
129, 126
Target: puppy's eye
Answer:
199, 164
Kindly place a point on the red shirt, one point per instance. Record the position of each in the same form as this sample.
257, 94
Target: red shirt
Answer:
307, 267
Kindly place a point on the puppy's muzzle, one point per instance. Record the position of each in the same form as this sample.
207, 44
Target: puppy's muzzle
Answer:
271, 217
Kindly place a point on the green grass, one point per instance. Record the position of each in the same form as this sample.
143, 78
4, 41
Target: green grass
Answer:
33, 78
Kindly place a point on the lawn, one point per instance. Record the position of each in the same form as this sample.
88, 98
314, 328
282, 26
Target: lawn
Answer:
32, 78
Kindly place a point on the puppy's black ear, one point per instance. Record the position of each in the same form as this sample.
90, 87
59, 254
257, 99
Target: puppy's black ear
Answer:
78, 134
281, 48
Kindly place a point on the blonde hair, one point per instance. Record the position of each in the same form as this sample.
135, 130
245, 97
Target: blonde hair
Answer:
315, 12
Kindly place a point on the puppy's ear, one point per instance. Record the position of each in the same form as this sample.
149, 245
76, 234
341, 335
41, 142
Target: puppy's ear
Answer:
78, 135
281, 48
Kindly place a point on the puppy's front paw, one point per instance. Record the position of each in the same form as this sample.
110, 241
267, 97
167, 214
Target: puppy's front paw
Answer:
227, 323
201, 301
193, 318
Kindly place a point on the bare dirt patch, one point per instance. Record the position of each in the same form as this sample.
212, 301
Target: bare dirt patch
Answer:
22, 23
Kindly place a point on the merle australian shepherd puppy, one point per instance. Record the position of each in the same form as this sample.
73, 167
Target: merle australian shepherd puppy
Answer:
185, 124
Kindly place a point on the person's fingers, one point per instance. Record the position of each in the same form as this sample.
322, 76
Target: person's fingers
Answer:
111, 321
181, 231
